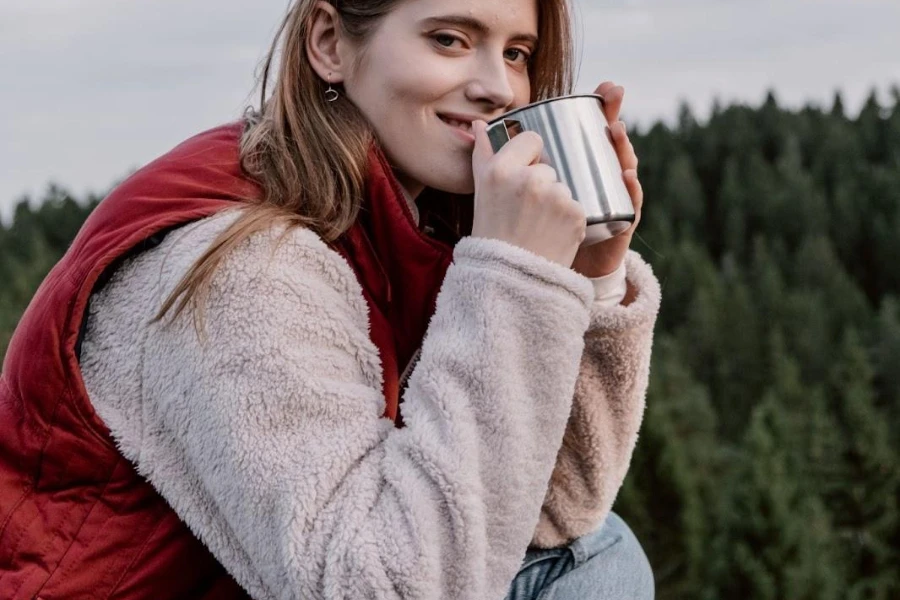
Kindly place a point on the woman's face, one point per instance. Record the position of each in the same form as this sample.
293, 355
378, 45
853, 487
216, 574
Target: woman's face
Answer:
433, 66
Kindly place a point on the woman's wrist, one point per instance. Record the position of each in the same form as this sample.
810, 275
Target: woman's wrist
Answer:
610, 290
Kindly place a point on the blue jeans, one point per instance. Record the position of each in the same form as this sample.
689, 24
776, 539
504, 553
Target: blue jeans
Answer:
607, 564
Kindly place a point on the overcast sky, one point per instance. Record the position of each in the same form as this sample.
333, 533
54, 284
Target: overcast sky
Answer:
94, 88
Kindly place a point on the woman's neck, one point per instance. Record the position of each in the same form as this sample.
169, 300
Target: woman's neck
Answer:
411, 187
411, 190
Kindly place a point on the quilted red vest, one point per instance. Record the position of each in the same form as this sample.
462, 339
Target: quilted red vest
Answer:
76, 520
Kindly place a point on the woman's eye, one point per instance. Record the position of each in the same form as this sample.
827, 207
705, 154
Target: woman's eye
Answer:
517, 55
446, 40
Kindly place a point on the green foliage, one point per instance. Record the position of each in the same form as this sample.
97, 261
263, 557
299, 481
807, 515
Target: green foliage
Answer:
769, 460
30, 246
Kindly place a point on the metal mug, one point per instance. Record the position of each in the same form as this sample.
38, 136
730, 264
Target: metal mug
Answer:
578, 144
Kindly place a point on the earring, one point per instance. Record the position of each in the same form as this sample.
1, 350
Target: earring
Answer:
331, 94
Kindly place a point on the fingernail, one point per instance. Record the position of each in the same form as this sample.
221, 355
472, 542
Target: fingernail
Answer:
624, 126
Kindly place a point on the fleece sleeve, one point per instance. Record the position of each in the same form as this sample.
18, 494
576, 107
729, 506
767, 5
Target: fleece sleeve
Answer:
606, 413
264, 433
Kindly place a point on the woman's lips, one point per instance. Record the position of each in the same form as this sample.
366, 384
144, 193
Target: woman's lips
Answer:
464, 125
463, 129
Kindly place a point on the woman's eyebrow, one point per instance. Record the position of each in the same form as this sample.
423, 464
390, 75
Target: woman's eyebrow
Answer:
474, 24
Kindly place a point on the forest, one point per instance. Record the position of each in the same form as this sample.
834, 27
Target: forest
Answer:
768, 464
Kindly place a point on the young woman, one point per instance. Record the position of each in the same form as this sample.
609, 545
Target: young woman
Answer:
340, 349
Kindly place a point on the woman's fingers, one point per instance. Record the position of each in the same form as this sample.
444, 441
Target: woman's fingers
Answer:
613, 96
604, 88
636, 191
624, 149
612, 99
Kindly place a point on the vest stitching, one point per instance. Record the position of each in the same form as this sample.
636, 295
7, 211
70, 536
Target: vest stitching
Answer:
4, 384
15, 547
51, 425
112, 472
17, 543
33, 431
27, 579
137, 555
15, 507
54, 535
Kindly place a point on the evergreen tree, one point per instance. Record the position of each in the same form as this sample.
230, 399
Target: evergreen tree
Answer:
885, 336
683, 197
671, 492
863, 496
777, 541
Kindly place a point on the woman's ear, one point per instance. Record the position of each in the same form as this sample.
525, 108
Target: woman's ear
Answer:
324, 44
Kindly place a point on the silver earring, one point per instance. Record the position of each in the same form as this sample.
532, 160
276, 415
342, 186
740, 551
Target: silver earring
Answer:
331, 94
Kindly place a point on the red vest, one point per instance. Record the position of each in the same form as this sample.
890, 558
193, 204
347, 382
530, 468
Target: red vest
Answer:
76, 520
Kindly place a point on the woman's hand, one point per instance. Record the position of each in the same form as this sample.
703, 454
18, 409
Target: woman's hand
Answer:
520, 200
605, 257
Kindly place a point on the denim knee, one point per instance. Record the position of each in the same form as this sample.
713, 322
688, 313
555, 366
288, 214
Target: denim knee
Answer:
633, 566
613, 566
606, 564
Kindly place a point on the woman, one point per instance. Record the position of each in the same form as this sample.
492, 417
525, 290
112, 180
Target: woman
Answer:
203, 399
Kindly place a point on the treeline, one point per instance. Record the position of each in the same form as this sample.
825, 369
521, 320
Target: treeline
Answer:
30, 246
768, 461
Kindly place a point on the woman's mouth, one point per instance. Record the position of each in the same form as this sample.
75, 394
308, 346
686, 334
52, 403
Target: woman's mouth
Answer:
464, 125
463, 128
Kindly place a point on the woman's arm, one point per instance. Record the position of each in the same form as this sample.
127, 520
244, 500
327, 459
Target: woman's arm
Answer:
606, 414
267, 437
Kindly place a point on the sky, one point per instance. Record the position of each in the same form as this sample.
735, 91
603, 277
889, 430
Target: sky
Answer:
95, 88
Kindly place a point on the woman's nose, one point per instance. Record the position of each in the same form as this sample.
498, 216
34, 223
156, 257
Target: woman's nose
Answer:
491, 85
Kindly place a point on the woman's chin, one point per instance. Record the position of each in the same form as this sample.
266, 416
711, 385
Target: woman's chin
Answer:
453, 185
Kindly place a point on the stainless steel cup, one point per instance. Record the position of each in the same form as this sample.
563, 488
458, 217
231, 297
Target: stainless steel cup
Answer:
578, 144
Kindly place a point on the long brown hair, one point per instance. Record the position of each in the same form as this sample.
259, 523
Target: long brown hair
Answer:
310, 156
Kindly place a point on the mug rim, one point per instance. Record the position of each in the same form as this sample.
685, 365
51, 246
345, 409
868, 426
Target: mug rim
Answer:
539, 102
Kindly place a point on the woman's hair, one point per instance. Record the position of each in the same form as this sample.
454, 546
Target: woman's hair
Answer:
310, 156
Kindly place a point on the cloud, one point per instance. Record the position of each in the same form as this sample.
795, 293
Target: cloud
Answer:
96, 87
805, 50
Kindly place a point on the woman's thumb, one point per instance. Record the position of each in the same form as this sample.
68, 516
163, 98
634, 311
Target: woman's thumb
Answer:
483, 151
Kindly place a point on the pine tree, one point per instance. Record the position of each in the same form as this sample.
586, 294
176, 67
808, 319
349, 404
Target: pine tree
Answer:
683, 197
864, 497
885, 342
777, 541
671, 493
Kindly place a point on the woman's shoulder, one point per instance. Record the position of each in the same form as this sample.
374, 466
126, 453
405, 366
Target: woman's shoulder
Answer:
277, 250
270, 290
196, 238
269, 270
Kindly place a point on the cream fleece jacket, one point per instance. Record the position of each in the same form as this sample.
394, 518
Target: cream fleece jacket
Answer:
266, 435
